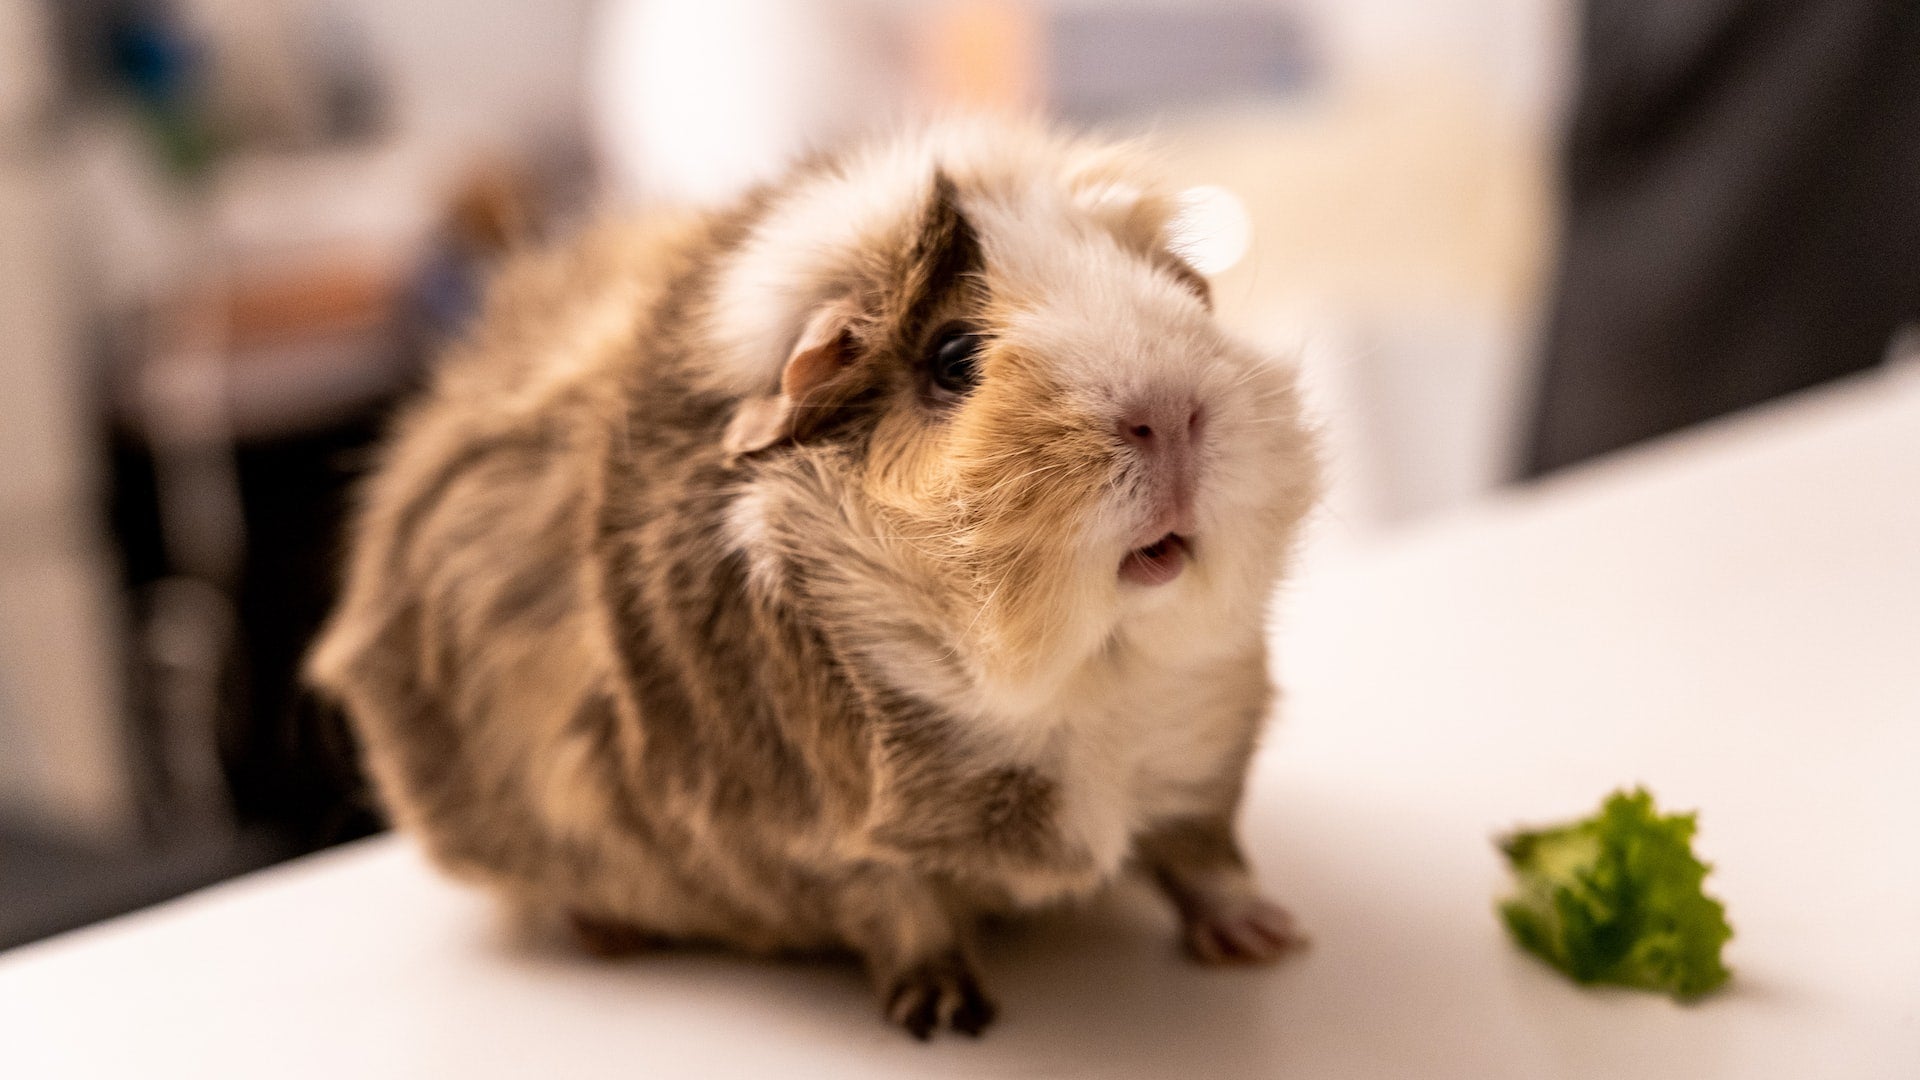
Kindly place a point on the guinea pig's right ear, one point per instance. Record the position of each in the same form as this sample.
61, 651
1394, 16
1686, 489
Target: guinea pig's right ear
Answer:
1151, 223
815, 380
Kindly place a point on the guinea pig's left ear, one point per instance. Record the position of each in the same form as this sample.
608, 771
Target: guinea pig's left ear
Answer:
811, 384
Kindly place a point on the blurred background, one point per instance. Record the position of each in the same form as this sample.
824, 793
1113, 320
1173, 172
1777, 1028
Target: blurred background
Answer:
1504, 237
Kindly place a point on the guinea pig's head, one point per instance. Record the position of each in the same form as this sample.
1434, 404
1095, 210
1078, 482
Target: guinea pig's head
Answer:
986, 414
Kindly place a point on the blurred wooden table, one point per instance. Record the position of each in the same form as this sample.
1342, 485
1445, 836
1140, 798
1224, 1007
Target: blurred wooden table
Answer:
1732, 618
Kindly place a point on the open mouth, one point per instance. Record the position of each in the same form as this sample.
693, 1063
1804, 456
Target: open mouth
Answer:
1158, 562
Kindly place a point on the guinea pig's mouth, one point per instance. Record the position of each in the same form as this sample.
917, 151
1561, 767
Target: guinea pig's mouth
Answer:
1158, 562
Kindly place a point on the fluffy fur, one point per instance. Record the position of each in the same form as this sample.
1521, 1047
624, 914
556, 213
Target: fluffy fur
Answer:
684, 607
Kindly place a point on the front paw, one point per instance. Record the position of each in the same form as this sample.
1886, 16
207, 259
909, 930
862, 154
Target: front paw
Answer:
1240, 930
943, 991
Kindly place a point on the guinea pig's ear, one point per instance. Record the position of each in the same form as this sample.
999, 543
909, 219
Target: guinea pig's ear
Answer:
1149, 223
1123, 207
1185, 274
810, 385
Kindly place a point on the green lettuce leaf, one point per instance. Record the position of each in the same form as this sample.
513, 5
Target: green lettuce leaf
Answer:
1617, 898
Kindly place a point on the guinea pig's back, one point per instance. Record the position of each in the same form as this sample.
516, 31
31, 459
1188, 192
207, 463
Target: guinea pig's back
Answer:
464, 647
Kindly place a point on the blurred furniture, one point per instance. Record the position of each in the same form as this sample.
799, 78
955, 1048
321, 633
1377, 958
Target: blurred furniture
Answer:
1742, 212
1730, 617
245, 406
223, 254
64, 761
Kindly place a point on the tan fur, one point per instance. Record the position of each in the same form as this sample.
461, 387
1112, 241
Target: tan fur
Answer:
683, 608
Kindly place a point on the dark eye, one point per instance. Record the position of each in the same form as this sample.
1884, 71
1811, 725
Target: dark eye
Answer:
955, 361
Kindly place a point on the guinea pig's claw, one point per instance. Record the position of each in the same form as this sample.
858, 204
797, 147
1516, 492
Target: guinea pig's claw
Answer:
1250, 930
942, 991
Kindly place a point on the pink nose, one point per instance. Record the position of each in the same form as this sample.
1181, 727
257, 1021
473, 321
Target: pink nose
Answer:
1161, 427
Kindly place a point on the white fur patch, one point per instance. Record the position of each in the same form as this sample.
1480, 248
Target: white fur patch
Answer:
747, 530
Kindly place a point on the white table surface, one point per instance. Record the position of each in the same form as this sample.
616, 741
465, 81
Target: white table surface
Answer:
1732, 617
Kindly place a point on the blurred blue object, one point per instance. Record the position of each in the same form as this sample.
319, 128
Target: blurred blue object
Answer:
446, 292
151, 53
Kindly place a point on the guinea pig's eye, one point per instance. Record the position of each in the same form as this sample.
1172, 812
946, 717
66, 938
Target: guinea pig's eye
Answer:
954, 361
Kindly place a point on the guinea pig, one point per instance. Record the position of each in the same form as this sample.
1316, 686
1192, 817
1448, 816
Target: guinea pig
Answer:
888, 549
